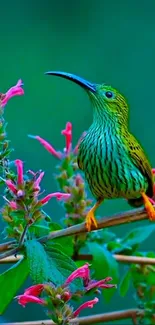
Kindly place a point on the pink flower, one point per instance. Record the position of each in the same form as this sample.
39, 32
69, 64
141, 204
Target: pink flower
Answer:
87, 304
25, 299
58, 195
100, 284
35, 290
31, 295
68, 134
47, 146
37, 181
11, 186
16, 90
153, 171
81, 272
19, 165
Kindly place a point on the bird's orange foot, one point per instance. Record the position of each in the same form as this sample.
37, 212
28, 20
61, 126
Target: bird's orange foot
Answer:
149, 207
90, 220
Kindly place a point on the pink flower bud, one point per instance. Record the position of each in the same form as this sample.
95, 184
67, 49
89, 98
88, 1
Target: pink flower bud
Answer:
11, 186
66, 296
13, 205
58, 195
19, 165
16, 90
68, 134
87, 304
47, 146
20, 193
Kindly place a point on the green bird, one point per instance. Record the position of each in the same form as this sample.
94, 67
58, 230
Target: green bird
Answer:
113, 161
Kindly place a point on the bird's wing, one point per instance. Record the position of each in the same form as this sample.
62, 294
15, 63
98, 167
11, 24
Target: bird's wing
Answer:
140, 160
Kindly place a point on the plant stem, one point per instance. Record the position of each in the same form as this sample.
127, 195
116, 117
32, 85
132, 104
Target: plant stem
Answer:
94, 319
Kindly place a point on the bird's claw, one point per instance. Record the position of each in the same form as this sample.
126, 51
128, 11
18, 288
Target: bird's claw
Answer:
90, 221
149, 207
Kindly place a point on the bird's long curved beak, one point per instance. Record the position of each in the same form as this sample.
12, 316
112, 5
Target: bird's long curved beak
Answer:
78, 80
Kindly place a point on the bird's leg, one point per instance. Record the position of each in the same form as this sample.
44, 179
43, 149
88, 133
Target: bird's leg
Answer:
149, 207
90, 218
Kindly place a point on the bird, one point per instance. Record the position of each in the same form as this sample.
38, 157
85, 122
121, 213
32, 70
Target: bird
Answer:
113, 161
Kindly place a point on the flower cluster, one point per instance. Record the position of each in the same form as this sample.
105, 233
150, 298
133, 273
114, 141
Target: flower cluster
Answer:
58, 300
22, 197
68, 177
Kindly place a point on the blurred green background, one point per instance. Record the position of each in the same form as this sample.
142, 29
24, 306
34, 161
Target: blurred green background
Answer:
103, 41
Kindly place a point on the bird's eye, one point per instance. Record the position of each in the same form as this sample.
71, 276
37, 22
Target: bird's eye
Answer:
109, 94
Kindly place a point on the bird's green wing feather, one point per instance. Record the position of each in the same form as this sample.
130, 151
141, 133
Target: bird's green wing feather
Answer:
140, 160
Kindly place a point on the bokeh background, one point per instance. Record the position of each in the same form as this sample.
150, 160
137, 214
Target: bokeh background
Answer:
104, 41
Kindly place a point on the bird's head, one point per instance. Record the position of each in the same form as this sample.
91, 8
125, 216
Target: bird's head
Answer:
106, 101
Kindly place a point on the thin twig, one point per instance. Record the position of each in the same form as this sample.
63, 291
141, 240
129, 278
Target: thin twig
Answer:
107, 317
87, 257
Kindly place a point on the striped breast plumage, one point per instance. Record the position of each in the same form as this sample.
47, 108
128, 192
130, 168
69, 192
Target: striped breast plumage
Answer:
108, 169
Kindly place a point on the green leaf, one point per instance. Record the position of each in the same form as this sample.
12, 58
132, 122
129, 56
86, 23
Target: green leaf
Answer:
40, 228
104, 265
65, 242
61, 266
138, 235
11, 281
37, 261
49, 263
125, 283
101, 236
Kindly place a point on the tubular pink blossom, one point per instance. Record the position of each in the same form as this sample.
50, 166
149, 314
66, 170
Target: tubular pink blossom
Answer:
47, 146
100, 284
16, 90
153, 171
58, 195
25, 299
35, 290
38, 180
81, 272
68, 134
87, 304
19, 165
11, 186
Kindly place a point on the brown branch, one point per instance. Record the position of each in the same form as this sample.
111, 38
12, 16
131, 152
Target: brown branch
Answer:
121, 258
107, 317
105, 222
117, 219
88, 257
6, 246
